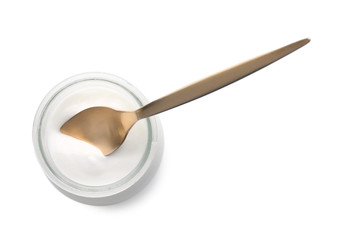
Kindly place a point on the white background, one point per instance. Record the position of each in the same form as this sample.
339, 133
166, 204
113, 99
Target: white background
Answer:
260, 159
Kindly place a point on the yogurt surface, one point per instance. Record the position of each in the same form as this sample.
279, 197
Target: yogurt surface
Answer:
79, 161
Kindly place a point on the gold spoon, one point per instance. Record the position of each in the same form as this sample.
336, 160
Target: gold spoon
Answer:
106, 128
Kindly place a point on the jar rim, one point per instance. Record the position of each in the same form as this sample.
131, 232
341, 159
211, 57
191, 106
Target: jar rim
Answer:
66, 183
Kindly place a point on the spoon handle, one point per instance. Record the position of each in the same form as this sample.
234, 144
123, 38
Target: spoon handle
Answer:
216, 81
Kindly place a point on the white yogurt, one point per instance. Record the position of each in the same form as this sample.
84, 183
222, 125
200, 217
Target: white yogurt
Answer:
80, 161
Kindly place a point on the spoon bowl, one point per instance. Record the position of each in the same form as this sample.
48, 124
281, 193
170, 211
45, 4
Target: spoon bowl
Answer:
103, 127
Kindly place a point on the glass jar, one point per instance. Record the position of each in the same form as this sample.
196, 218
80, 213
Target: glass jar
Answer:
78, 169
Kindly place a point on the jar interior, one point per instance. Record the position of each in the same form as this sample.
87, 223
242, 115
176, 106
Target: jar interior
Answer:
79, 164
